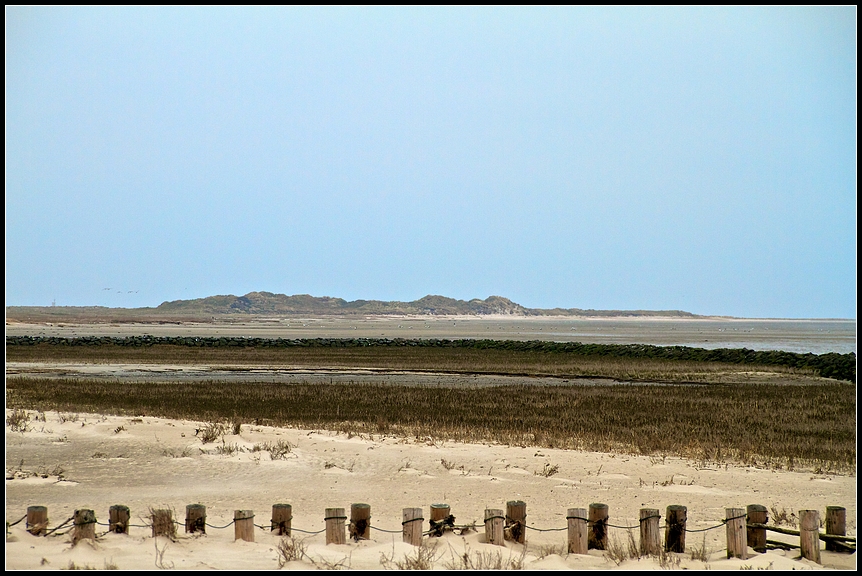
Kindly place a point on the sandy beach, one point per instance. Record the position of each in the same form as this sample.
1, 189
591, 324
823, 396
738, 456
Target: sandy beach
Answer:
68, 462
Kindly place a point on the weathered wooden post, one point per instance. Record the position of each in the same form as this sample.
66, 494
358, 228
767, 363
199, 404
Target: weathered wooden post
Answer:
737, 535
335, 526
360, 521
85, 525
650, 543
163, 523
809, 534
836, 525
578, 539
598, 527
243, 525
37, 520
516, 519
118, 519
494, 526
282, 514
411, 525
674, 532
196, 518
439, 512
757, 514
440, 517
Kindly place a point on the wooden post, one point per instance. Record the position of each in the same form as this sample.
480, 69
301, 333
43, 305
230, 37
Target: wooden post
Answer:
578, 538
243, 525
335, 532
37, 520
674, 533
809, 534
494, 526
360, 521
650, 535
440, 517
439, 512
516, 519
163, 523
411, 525
282, 514
118, 519
737, 535
598, 527
85, 525
196, 518
836, 524
757, 514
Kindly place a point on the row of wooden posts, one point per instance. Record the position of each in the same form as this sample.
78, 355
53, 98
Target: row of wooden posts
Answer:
587, 529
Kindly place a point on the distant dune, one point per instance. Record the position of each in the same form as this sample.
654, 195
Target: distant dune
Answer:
267, 303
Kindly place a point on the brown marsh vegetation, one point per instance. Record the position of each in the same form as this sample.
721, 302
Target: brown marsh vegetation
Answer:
464, 360
795, 427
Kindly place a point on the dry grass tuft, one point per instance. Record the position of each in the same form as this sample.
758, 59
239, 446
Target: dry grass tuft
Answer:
18, 420
619, 552
485, 560
290, 549
422, 558
162, 523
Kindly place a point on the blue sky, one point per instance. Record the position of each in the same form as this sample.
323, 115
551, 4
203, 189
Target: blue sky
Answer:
701, 159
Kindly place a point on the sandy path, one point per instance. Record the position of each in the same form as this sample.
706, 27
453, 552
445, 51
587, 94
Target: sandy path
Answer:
152, 462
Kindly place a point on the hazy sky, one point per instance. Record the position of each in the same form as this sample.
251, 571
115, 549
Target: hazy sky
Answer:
701, 159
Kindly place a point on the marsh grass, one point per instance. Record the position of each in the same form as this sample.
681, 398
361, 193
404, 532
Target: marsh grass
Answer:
811, 426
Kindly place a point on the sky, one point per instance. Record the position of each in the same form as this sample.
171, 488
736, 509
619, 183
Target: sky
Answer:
699, 159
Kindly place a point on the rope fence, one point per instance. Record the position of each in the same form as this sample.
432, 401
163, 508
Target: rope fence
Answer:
745, 528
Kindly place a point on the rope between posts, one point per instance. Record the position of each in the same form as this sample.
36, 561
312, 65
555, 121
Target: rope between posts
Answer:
389, 531
307, 532
17, 521
545, 529
723, 522
48, 532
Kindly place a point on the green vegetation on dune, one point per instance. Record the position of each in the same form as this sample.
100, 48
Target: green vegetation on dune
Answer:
267, 303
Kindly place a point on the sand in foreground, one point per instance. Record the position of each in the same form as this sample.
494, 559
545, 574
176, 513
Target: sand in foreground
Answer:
94, 461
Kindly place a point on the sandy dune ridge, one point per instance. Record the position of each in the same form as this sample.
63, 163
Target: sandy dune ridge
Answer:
68, 462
